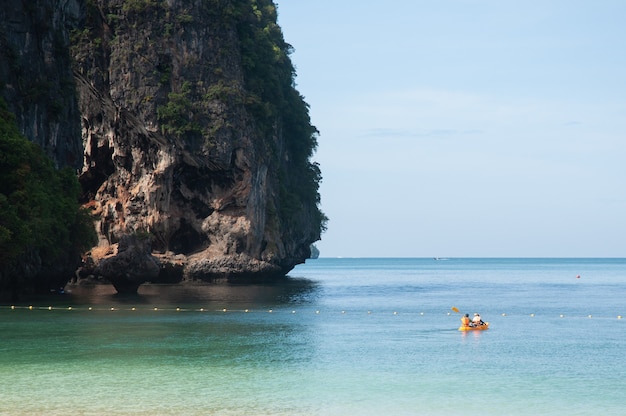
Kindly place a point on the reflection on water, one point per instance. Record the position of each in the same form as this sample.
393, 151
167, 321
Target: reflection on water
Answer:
288, 291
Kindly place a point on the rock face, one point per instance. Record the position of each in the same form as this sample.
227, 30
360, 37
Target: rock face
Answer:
36, 75
194, 134
131, 266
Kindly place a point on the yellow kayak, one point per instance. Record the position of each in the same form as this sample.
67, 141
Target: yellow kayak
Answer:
475, 328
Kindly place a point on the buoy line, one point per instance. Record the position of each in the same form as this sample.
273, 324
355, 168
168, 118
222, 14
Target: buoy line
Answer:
391, 312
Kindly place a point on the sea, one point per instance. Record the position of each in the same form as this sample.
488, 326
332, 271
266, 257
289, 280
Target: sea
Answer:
338, 336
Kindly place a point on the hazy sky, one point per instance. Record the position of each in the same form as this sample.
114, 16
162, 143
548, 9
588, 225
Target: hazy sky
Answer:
466, 128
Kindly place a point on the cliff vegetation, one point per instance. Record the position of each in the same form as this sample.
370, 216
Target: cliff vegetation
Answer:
43, 230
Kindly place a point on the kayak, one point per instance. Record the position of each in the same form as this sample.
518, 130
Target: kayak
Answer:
475, 328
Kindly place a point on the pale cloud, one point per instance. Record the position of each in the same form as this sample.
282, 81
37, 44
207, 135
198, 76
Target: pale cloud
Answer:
418, 133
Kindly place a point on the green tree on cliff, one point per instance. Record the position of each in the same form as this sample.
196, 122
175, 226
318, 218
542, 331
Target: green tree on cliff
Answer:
41, 224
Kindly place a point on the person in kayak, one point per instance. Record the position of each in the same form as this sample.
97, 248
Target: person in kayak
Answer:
476, 320
465, 320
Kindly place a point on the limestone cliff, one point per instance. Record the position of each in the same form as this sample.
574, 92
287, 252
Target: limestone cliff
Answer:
193, 132
36, 75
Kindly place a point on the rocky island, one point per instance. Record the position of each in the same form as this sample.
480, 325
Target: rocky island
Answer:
181, 118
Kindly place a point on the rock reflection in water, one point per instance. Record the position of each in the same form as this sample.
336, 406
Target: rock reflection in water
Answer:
287, 291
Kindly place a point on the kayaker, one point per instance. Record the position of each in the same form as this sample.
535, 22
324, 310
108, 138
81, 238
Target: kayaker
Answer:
476, 320
465, 320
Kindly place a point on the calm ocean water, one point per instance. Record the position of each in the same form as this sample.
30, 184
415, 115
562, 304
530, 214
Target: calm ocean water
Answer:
339, 337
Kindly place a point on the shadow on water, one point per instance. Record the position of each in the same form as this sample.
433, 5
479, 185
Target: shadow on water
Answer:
281, 292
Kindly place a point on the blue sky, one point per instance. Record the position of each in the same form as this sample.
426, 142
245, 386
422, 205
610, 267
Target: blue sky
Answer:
466, 128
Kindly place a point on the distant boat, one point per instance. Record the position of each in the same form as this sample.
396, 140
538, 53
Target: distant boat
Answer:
439, 258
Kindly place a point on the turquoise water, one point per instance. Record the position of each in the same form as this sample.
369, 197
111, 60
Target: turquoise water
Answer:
339, 337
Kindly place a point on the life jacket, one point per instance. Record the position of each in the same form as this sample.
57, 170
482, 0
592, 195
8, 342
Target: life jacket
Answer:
465, 320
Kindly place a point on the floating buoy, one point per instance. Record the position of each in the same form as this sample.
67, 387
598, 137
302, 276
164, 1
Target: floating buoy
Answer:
317, 312
90, 308
577, 276
49, 308
133, 309
293, 311
504, 314
246, 311
561, 315
69, 308
156, 309
532, 315
395, 313
619, 316
589, 316
177, 309
30, 307
270, 311
12, 306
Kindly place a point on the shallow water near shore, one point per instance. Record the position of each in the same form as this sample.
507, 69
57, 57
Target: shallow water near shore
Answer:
338, 337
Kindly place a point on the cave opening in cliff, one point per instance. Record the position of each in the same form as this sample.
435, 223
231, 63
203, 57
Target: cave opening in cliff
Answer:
100, 168
186, 239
